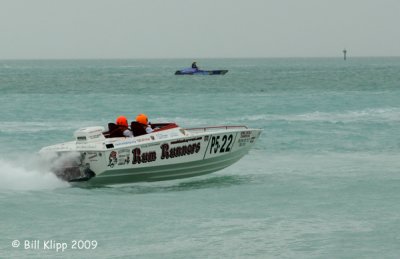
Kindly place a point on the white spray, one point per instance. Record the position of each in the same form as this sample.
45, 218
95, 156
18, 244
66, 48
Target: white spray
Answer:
27, 172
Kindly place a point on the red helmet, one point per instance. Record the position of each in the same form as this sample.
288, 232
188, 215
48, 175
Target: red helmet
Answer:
142, 119
122, 121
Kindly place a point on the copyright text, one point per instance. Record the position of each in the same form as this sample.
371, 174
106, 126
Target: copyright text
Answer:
58, 246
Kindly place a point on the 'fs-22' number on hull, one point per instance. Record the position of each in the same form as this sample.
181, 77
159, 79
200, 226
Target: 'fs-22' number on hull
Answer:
225, 146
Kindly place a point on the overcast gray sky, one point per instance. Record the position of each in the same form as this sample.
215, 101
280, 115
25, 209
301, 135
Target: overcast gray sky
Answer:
31, 29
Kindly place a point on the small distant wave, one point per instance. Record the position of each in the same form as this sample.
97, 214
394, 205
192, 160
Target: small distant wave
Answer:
128, 66
28, 173
205, 182
185, 122
32, 126
376, 115
366, 115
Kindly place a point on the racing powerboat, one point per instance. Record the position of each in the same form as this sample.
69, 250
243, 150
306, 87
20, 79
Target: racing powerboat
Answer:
193, 71
169, 152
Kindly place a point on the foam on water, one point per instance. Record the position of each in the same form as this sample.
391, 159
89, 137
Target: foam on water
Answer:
28, 173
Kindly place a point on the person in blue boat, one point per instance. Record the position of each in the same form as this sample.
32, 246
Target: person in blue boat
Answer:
194, 66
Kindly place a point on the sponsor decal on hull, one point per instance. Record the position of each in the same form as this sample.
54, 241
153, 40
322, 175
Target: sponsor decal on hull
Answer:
145, 157
184, 150
112, 159
122, 157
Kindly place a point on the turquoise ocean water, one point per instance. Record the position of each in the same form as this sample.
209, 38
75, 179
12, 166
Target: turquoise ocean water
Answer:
322, 181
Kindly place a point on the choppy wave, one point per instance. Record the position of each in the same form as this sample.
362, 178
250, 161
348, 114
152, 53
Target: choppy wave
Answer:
374, 115
32, 126
370, 115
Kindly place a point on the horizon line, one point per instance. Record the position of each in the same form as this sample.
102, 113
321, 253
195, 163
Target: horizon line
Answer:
191, 58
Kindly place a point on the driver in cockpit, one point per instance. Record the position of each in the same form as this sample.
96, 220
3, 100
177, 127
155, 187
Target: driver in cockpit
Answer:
122, 123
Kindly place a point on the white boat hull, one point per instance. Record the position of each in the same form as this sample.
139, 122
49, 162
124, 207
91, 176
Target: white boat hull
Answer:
164, 155
169, 171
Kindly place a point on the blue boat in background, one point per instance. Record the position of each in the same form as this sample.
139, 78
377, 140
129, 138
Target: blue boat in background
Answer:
194, 71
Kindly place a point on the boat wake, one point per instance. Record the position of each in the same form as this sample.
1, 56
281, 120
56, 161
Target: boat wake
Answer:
29, 173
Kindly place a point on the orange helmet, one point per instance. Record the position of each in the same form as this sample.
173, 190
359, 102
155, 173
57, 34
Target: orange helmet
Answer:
142, 119
122, 121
